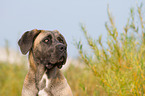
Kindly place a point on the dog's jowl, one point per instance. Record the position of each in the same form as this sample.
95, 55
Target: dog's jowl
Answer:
47, 54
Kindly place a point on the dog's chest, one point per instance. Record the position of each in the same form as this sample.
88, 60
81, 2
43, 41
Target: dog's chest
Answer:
44, 85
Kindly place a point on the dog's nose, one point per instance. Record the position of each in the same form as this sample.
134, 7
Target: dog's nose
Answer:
62, 48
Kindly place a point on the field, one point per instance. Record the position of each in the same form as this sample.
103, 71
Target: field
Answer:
112, 68
12, 77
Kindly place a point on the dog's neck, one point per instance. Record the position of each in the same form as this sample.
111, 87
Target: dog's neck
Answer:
39, 73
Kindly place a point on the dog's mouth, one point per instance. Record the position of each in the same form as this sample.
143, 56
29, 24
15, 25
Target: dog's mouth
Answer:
59, 63
61, 59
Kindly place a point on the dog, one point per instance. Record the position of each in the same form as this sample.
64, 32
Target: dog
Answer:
47, 54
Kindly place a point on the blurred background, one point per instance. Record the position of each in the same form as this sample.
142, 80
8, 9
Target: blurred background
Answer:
79, 21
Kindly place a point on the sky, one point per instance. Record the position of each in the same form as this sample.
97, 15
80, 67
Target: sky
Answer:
66, 16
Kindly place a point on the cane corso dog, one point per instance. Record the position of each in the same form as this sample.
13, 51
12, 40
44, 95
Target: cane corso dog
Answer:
47, 54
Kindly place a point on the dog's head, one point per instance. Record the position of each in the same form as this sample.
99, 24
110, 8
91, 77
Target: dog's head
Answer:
48, 47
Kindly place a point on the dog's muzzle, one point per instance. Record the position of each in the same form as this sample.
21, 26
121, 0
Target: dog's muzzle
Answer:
61, 54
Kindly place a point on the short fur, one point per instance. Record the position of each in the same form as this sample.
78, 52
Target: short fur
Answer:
47, 54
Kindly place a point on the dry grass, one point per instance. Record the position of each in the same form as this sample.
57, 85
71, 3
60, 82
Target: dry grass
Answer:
11, 79
81, 81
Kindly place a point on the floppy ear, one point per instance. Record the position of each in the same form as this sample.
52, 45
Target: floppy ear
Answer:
26, 41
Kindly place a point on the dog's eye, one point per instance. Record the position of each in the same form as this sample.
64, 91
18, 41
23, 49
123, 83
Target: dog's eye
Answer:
47, 39
60, 40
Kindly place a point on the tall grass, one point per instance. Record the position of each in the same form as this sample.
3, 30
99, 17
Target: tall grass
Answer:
119, 66
82, 82
11, 79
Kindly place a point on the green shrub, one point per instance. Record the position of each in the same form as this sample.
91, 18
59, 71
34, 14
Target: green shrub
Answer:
119, 66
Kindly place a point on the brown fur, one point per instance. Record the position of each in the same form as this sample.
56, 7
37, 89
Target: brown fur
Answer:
41, 79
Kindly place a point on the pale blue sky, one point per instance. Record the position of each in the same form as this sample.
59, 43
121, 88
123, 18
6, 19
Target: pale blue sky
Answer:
18, 16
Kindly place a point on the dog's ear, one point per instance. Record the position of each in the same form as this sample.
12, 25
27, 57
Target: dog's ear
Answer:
26, 41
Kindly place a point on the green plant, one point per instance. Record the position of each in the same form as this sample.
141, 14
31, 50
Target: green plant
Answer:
119, 66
